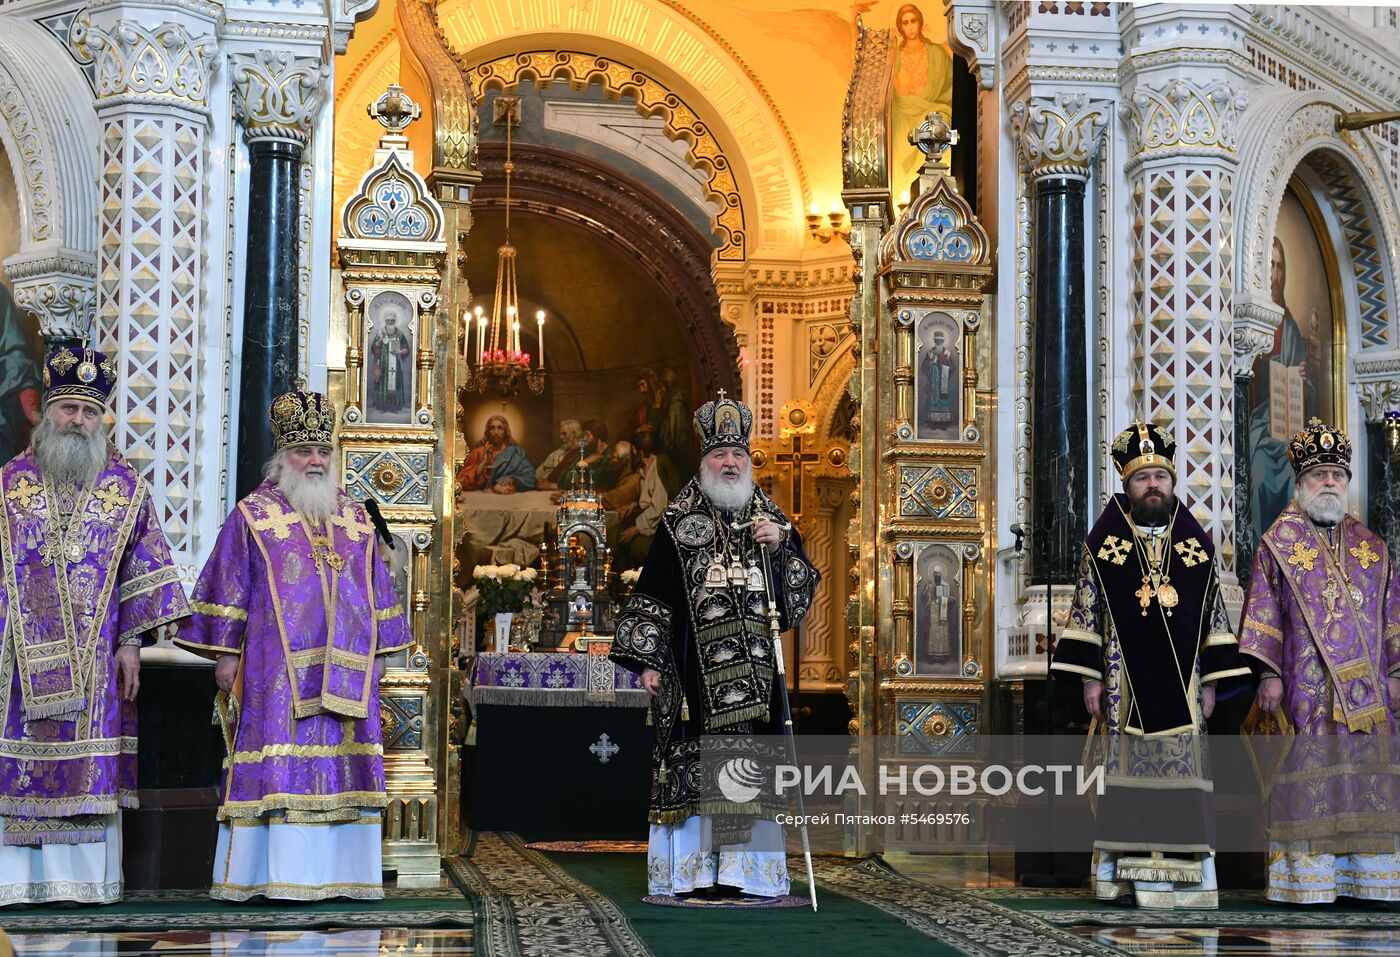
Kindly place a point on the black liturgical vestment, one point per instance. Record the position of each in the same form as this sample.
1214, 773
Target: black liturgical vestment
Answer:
1154, 630
710, 642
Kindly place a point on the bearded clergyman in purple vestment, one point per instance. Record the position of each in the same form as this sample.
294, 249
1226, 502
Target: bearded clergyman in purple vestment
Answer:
85, 578
298, 611
1322, 623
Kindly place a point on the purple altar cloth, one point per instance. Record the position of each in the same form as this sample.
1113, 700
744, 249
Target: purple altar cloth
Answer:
558, 679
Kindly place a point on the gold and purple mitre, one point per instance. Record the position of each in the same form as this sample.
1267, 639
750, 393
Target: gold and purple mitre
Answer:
72, 373
723, 423
302, 418
1319, 444
1143, 445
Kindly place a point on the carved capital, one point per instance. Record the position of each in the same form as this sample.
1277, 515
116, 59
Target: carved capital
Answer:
1254, 321
277, 94
59, 290
134, 62
1183, 116
1379, 397
1058, 135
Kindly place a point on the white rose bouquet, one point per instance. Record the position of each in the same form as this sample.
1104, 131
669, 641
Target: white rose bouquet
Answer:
503, 588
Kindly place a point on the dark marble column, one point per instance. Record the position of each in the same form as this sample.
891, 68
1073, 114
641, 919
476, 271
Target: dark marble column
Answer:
1382, 487
270, 347
1059, 417
1244, 514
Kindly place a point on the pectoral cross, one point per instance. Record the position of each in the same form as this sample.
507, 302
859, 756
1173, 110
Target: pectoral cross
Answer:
321, 552
1144, 595
1331, 593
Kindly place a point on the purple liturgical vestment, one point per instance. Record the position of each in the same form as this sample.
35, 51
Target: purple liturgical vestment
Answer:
70, 590
308, 617
1325, 616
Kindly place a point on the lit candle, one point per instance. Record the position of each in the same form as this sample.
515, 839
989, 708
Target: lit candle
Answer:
480, 332
515, 334
511, 326
539, 321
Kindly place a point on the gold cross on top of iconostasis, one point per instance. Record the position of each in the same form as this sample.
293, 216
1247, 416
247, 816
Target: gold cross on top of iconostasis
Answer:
789, 465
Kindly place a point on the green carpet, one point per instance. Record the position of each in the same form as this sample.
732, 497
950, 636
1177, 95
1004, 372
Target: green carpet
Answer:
840, 923
194, 910
590, 905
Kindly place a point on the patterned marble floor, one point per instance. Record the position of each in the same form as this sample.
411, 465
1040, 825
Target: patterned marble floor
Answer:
1244, 942
379, 942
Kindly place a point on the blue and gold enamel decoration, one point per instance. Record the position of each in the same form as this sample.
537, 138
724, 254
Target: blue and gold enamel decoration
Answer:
302, 418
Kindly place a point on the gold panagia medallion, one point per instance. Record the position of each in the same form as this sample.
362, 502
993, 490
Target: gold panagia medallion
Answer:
1166, 595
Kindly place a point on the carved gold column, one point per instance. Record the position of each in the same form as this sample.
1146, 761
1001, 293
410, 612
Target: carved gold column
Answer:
933, 480
392, 259
451, 114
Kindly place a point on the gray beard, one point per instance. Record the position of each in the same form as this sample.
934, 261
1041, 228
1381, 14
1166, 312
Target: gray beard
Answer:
71, 456
727, 496
1322, 507
315, 498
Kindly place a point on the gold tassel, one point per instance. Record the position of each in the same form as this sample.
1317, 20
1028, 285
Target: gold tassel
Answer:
685, 709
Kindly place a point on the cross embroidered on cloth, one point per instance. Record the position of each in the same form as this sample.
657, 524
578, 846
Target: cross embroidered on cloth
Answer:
1364, 555
1303, 555
1191, 552
277, 522
1115, 550
111, 498
24, 492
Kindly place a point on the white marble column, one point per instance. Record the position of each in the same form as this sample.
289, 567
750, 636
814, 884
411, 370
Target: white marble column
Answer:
153, 63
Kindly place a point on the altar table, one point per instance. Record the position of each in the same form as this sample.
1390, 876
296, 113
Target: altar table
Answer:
563, 750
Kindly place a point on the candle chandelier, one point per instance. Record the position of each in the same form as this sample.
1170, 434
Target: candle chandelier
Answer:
497, 363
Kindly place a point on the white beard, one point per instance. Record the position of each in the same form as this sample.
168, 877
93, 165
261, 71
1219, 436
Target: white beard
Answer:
1323, 507
71, 456
315, 497
728, 495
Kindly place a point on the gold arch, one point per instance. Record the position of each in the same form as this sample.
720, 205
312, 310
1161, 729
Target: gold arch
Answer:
653, 99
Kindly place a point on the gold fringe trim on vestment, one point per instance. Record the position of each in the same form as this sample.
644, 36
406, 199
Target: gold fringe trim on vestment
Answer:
300, 892
677, 815
368, 800
344, 749
1157, 869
